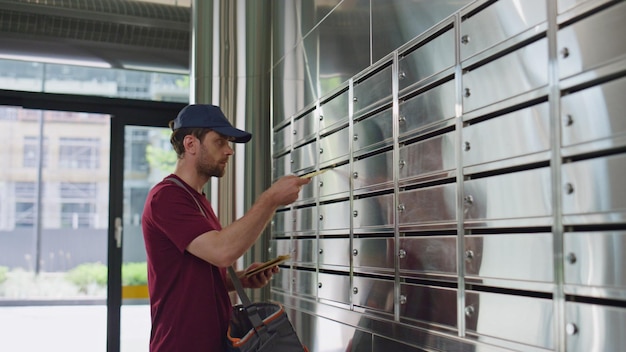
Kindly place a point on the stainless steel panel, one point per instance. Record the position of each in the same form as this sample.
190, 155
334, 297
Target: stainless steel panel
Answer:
527, 320
334, 216
282, 139
496, 81
304, 282
430, 304
373, 254
281, 166
594, 263
519, 257
434, 105
375, 171
427, 255
396, 22
372, 91
524, 194
373, 294
305, 219
498, 22
578, 45
333, 182
334, 147
595, 113
282, 246
595, 186
293, 90
435, 204
308, 193
304, 127
373, 131
578, 6
334, 111
374, 212
304, 157
282, 223
429, 58
591, 327
319, 334
334, 287
340, 44
304, 251
334, 251
281, 280
493, 140
433, 156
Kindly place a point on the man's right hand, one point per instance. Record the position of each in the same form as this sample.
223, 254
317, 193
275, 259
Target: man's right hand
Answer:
286, 190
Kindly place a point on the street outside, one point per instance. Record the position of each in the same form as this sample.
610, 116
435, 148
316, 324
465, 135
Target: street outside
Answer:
70, 328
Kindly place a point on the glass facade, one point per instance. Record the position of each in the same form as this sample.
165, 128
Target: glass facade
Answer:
97, 81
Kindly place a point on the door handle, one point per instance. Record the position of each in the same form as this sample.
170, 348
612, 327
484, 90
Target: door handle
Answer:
118, 232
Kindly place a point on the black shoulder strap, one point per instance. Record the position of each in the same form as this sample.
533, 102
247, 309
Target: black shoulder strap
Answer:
176, 181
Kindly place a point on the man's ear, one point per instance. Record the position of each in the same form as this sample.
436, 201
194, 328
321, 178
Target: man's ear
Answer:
190, 143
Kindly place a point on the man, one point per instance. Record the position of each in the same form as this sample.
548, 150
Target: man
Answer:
186, 246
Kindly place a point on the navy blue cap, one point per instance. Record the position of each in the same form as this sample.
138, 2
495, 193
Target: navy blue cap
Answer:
209, 116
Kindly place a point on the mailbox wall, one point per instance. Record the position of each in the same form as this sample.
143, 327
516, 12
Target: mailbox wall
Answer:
474, 195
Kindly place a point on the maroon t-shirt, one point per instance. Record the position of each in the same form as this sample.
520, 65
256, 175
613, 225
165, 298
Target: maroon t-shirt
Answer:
189, 302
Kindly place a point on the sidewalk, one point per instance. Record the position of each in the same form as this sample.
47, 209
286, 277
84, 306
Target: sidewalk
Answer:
70, 328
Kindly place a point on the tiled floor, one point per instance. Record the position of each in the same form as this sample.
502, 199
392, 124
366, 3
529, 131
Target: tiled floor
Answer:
70, 328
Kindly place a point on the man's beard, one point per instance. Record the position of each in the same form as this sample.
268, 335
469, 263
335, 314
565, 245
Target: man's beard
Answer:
208, 169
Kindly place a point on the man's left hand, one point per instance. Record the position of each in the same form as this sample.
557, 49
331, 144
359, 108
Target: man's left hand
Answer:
260, 279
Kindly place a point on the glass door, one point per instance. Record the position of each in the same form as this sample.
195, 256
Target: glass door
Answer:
54, 197
147, 158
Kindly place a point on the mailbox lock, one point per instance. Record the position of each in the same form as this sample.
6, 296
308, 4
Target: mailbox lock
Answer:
402, 119
319, 285
321, 183
321, 117
565, 53
402, 164
355, 137
321, 151
402, 253
401, 75
295, 132
401, 207
355, 213
355, 175
571, 329
469, 200
321, 250
469, 311
569, 188
402, 299
355, 252
465, 39
355, 290
321, 217
467, 92
569, 120
571, 258
355, 99
469, 254
467, 146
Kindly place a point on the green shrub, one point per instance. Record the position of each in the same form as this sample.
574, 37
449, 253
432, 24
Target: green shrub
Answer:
3, 273
88, 274
134, 274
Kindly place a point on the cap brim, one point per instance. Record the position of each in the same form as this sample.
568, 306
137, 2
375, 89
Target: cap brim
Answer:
238, 135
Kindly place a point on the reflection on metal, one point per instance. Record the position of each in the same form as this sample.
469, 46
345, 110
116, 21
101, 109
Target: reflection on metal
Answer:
474, 199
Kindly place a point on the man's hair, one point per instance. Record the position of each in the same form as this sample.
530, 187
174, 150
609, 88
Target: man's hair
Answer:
177, 137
